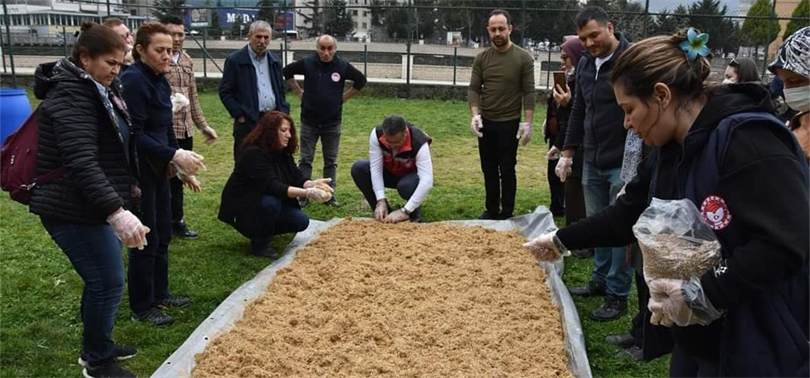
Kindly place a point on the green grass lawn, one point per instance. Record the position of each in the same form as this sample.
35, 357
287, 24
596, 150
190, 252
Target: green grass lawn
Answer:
40, 331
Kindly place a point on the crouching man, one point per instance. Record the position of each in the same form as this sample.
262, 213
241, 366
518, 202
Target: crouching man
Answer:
399, 157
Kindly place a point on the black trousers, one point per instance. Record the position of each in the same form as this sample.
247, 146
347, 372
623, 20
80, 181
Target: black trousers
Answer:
557, 189
177, 185
637, 328
240, 130
361, 174
498, 152
149, 268
574, 200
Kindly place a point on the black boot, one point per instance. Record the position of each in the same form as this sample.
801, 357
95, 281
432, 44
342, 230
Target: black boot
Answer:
612, 309
592, 289
180, 229
261, 247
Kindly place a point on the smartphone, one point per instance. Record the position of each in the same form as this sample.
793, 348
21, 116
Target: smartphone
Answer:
559, 79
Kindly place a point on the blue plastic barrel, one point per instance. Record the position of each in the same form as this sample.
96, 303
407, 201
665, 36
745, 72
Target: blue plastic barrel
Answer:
14, 109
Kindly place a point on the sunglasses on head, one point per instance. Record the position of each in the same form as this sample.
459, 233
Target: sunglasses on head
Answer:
734, 63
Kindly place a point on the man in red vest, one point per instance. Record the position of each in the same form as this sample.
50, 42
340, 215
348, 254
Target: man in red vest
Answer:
399, 157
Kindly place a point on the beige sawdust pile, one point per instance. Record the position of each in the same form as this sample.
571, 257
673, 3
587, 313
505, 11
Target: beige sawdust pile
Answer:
367, 299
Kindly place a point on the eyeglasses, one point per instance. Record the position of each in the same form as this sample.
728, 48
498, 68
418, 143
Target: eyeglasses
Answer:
563, 56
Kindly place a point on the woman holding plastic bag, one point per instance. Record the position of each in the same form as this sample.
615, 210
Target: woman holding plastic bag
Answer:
721, 149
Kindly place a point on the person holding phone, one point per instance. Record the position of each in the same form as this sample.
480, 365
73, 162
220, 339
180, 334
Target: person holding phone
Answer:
566, 195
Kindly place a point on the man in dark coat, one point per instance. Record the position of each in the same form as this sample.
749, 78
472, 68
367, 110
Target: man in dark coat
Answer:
252, 84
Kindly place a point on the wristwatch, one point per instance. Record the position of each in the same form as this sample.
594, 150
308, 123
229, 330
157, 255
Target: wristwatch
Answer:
558, 243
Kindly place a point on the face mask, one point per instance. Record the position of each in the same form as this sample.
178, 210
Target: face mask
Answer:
798, 98
728, 81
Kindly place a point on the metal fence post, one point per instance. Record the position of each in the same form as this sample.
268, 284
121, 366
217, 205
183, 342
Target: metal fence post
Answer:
365, 59
408, 53
455, 63
2, 53
10, 49
523, 24
205, 59
286, 47
108, 9
768, 45
646, 16
64, 41
548, 68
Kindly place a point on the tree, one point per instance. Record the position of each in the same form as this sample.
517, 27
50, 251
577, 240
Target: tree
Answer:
708, 17
669, 23
337, 20
630, 24
425, 16
760, 31
315, 18
216, 28
799, 18
267, 11
166, 8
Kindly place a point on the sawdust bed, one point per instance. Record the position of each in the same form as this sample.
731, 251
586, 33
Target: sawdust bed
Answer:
366, 299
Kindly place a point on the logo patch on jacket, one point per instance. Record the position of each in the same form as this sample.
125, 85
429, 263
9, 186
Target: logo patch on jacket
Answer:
715, 212
335, 77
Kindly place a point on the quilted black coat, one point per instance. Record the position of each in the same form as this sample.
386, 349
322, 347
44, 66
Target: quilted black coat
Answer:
78, 132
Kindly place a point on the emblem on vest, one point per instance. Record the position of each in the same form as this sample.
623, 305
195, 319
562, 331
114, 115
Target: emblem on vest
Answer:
715, 212
335, 77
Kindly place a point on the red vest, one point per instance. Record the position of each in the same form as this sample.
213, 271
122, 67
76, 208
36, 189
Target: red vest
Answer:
404, 162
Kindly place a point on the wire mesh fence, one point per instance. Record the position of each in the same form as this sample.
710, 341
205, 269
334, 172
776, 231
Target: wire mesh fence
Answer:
410, 41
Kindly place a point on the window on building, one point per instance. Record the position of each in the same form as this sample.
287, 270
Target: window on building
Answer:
365, 25
354, 24
354, 13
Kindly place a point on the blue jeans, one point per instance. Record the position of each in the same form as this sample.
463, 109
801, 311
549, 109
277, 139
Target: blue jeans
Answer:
95, 253
279, 217
610, 266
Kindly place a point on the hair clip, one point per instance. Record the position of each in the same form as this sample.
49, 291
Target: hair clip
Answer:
695, 45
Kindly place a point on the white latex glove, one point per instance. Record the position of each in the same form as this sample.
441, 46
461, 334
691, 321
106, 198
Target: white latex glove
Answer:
191, 182
188, 162
322, 184
210, 134
318, 195
543, 247
621, 192
524, 133
381, 211
476, 125
128, 228
396, 217
668, 304
553, 153
179, 101
563, 169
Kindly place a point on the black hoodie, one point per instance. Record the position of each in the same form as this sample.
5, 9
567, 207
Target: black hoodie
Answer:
596, 121
764, 187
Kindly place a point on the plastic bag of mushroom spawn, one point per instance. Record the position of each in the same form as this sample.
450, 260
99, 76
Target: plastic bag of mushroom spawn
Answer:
675, 240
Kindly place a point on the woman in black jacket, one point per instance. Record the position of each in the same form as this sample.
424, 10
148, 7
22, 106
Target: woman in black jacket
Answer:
722, 149
260, 197
84, 133
148, 95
